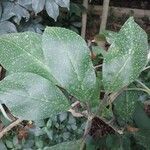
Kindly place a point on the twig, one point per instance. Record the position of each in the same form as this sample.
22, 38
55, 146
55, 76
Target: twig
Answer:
84, 19
138, 89
98, 66
86, 131
148, 67
104, 15
143, 85
9, 127
4, 113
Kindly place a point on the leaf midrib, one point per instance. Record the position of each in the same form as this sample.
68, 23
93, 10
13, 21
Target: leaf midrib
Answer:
120, 70
34, 58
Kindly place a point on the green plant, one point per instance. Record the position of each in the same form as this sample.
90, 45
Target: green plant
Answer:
27, 15
42, 67
44, 133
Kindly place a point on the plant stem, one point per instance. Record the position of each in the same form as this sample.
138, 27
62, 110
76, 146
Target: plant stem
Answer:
148, 67
84, 19
101, 105
98, 66
138, 89
144, 86
4, 113
104, 15
9, 127
87, 128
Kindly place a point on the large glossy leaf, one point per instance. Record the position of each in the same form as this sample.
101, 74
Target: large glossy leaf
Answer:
30, 96
73, 145
126, 57
124, 106
38, 5
66, 53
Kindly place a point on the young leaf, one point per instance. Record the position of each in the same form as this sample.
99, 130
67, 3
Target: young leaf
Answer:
66, 54
31, 97
98, 50
110, 36
126, 57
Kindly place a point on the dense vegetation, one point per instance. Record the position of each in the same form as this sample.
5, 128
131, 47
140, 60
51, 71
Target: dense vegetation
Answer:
101, 95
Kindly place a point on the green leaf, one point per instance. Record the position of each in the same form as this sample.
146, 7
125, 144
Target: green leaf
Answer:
22, 52
9, 144
38, 5
7, 27
142, 138
140, 117
2, 145
126, 57
52, 9
26, 4
98, 50
63, 116
12, 9
110, 36
62, 61
31, 97
73, 145
63, 3
124, 106
66, 53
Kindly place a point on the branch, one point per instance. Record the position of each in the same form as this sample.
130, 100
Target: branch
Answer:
104, 15
144, 86
84, 18
9, 127
148, 67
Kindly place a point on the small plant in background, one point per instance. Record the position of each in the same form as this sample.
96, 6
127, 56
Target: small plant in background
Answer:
43, 68
45, 133
34, 15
